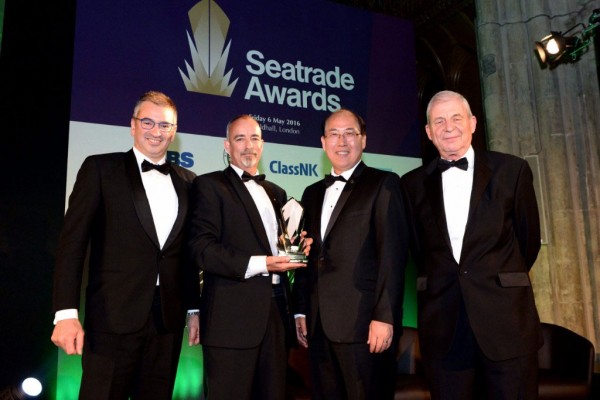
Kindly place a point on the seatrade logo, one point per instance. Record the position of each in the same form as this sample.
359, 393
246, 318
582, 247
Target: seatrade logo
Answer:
208, 50
316, 81
291, 83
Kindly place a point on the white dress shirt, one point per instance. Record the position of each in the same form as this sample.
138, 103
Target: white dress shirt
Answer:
162, 197
332, 195
457, 185
258, 264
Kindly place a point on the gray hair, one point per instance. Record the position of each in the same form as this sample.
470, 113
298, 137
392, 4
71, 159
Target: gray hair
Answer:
446, 95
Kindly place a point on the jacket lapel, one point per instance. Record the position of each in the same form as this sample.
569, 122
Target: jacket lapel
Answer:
182, 198
249, 207
140, 201
481, 177
339, 206
435, 195
316, 203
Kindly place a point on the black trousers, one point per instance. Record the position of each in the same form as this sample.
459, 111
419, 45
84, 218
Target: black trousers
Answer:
141, 365
341, 371
467, 374
257, 373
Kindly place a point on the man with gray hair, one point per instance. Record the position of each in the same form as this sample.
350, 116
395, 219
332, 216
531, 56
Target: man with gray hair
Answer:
475, 235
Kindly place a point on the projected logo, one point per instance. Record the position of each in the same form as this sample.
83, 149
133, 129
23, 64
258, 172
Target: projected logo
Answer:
292, 83
208, 51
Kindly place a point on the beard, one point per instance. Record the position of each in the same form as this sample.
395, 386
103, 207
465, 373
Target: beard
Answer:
248, 160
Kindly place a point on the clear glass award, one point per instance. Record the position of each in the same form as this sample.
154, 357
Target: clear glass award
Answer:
291, 223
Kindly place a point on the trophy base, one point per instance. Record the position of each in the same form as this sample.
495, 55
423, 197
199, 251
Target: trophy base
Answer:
298, 258
295, 257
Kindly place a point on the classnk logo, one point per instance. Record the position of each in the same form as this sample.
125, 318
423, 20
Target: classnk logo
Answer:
303, 86
302, 169
183, 159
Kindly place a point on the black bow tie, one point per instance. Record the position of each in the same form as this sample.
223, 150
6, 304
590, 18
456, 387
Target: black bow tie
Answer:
330, 179
163, 168
256, 178
443, 165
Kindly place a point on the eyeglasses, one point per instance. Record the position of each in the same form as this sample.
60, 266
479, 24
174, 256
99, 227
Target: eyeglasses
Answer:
348, 134
148, 124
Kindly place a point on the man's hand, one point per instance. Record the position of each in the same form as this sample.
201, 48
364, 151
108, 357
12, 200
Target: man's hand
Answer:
380, 336
306, 242
193, 325
301, 331
281, 264
68, 335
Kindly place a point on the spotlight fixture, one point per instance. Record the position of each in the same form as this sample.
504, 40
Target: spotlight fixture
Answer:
28, 389
558, 47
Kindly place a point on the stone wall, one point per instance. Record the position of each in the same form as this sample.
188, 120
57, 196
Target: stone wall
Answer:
551, 117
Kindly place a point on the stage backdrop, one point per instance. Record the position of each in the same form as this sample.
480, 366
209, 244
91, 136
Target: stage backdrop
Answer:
288, 63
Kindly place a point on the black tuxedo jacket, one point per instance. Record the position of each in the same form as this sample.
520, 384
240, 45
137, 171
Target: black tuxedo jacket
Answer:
500, 245
108, 210
356, 272
225, 231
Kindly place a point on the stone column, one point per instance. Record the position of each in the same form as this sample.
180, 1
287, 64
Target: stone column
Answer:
551, 117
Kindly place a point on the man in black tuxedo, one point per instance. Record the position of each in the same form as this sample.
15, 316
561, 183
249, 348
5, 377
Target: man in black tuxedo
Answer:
475, 224
131, 209
245, 318
348, 301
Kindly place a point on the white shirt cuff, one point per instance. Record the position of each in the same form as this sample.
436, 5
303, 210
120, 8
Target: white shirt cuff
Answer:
66, 314
256, 266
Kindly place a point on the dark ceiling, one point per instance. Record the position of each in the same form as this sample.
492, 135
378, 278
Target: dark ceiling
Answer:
421, 12
446, 53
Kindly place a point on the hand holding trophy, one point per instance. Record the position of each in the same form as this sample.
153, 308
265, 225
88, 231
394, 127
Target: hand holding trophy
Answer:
291, 221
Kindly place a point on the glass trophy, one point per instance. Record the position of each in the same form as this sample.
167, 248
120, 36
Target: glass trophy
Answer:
291, 223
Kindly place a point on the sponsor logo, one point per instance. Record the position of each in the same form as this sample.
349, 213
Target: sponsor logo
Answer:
184, 159
302, 169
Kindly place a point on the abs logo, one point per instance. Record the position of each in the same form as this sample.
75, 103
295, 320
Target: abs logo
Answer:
183, 159
209, 54
302, 169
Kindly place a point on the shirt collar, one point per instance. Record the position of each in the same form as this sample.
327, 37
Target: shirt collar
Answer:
348, 173
239, 171
469, 155
141, 157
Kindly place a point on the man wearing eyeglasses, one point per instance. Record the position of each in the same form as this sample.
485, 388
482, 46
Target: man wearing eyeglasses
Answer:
130, 208
246, 322
348, 301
